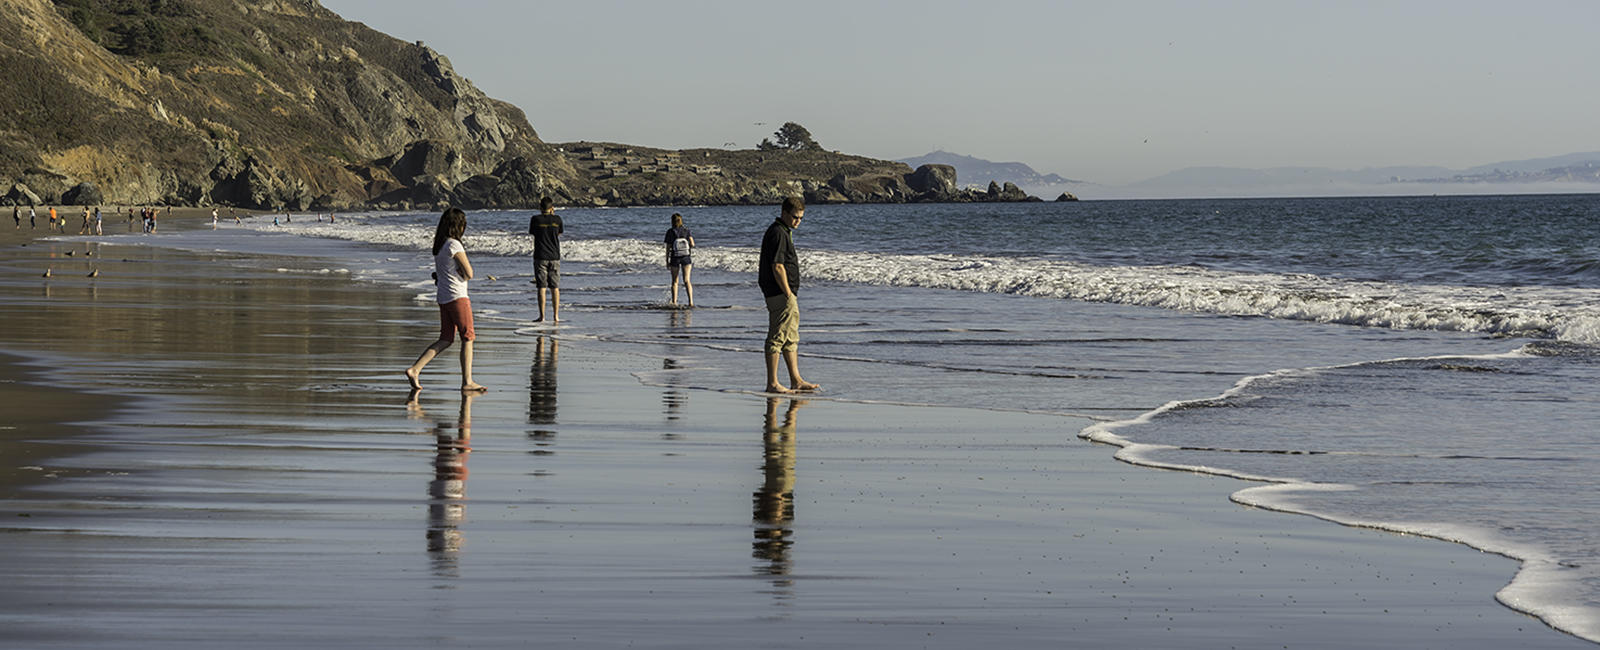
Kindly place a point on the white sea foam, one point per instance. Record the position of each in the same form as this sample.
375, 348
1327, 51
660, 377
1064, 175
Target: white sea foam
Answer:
1566, 314
1544, 586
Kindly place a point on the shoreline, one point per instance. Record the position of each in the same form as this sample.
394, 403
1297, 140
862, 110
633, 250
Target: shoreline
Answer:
621, 511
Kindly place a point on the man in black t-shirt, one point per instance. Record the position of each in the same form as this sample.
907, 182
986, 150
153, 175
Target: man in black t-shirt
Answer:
546, 229
779, 277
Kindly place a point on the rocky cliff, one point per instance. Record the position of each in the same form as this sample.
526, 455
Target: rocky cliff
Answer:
282, 104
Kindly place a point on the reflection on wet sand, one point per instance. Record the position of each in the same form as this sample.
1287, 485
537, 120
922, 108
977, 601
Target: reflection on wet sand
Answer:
447, 492
673, 397
677, 318
774, 502
542, 382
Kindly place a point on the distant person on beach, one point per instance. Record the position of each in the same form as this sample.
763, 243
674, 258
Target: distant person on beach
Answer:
99, 223
213, 218
779, 277
16, 215
679, 243
451, 273
52, 217
31, 218
84, 229
546, 228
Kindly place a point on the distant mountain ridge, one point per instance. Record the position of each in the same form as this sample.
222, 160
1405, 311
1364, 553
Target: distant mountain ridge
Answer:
972, 171
1572, 169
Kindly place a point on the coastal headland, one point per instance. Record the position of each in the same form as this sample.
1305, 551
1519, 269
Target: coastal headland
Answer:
284, 105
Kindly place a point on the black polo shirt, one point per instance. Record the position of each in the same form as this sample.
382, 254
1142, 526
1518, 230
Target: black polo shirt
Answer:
546, 230
777, 247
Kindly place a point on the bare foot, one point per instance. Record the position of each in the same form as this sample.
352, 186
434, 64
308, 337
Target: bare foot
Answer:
806, 386
775, 388
411, 376
473, 387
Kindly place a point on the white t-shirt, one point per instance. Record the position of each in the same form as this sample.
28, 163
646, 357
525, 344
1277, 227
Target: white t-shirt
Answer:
451, 285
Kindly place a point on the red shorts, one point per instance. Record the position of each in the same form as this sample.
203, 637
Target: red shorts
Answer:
454, 316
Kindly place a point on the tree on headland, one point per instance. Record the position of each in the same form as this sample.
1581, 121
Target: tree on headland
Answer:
790, 137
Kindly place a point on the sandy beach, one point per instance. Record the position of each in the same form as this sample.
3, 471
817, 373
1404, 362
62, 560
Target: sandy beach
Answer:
204, 453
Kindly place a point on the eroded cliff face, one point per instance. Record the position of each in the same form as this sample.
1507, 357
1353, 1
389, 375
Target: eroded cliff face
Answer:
258, 103
282, 104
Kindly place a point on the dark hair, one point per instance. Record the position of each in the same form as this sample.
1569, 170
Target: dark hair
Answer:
545, 204
793, 205
677, 220
452, 224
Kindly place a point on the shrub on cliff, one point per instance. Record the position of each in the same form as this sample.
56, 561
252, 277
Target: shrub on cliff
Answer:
790, 137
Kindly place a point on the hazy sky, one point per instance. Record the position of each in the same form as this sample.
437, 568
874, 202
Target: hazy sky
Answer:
1111, 92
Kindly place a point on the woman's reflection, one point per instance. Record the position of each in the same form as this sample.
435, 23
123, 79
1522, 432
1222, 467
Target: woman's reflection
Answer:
673, 397
448, 489
774, 502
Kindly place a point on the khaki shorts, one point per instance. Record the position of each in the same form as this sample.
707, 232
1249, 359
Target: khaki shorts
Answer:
547, 274
783, 324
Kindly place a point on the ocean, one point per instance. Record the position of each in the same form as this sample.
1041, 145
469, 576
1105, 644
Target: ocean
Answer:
1426, 365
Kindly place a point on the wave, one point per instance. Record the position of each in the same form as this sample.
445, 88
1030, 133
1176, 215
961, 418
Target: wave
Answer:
1546, 586
1559, 313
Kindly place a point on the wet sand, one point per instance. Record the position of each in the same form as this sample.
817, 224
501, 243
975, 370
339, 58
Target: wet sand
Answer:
266, 482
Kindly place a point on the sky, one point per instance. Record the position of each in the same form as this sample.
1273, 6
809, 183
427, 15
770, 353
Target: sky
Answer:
1109, 92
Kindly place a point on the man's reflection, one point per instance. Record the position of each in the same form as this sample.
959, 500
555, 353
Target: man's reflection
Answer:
542, 382
774, 502
448, 490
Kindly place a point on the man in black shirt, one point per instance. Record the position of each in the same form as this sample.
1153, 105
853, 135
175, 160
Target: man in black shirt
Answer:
546, 229
779, 277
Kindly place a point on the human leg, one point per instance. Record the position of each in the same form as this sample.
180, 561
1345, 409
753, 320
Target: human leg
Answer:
791, 358
673, 268
413, 373
555, 304
466, 369
782, 312
772, 374
783, 339
688, 288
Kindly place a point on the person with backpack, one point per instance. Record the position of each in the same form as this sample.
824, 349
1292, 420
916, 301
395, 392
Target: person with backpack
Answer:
679, 243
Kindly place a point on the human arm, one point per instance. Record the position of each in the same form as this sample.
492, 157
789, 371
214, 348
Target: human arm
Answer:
463, 266
782, 275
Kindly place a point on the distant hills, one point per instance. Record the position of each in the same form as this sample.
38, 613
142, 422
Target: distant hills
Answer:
971, 171
283, 104
1574, 172
1570, 172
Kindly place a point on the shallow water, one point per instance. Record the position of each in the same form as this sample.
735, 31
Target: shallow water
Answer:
266, 484
1432, 359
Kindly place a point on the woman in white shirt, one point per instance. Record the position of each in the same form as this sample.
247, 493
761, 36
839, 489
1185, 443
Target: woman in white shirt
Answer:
451, 272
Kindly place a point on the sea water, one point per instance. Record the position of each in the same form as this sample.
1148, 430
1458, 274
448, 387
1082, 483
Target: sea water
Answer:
1426, 364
